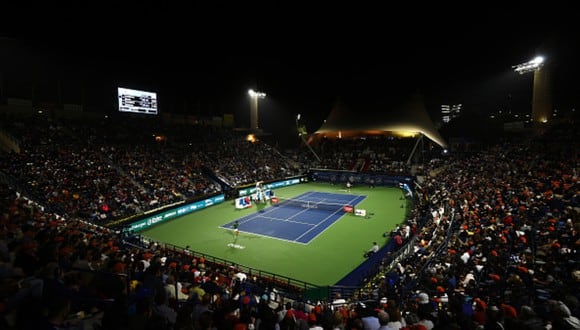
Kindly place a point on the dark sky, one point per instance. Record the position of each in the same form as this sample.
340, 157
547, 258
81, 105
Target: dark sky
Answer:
305, 56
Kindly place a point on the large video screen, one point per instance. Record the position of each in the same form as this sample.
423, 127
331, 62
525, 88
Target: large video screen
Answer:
132, 100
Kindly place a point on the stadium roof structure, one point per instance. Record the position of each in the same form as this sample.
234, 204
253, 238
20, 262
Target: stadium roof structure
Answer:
407, 119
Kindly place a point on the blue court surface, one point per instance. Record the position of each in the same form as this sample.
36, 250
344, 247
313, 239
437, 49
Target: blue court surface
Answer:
299, 220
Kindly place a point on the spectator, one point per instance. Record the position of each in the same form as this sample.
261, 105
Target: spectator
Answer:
374, 249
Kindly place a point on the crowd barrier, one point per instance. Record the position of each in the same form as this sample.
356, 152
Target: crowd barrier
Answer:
370, 179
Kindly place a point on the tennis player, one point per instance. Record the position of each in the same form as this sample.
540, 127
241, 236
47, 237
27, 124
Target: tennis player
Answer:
235, 226
259, 191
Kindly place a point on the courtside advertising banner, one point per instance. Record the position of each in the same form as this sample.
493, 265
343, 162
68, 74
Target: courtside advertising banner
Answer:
175, 212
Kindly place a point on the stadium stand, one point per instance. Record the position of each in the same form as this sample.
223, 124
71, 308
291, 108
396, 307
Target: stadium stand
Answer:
493, 240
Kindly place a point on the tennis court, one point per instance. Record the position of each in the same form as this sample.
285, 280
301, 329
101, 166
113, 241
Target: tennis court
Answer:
298, 220
325, 260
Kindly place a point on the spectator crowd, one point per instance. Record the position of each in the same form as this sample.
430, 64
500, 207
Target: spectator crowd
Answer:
492, 244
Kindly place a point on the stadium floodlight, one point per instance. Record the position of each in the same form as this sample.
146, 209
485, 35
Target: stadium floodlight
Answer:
529, 66
541, 98
254, 96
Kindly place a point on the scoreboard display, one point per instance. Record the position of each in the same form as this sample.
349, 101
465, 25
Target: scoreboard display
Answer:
136, 101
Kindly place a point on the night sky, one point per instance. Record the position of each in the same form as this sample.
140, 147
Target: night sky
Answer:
305, 56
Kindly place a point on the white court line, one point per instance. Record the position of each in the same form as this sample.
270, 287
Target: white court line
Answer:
261, 215
258, 215
324, 220
272, 237
288, 220
285, 219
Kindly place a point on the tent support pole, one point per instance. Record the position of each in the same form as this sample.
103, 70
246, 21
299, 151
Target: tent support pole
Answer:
419, 139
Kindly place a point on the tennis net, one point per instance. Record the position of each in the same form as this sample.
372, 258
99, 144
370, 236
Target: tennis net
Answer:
306, 204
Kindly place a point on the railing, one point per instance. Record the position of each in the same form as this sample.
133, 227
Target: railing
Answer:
296, 289
389, 263
9, 142
285, 286
32, 195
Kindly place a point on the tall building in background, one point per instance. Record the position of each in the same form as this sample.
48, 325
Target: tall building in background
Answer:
450, 112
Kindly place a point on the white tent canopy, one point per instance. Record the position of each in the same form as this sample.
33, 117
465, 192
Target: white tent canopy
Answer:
410, 118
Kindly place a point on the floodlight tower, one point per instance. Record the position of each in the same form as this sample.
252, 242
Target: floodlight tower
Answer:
542, 97
302, 133
254, 96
